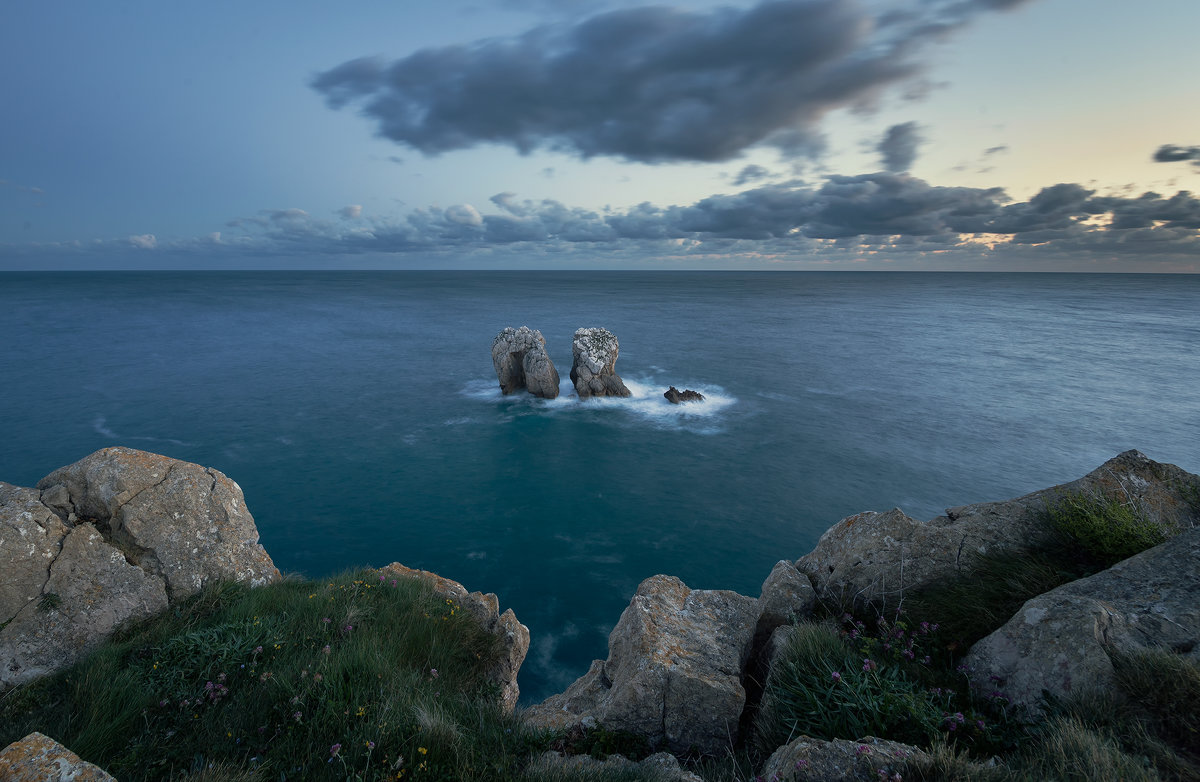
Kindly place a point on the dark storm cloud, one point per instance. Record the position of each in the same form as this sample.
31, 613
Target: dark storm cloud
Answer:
648, 84
898, 147
1169, 153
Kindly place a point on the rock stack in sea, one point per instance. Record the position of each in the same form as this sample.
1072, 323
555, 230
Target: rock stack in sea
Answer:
521, 361
593, 364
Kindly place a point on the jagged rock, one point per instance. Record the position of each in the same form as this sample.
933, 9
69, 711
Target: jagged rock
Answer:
107, 540
39, 758
787, 595
89, 591
866, 760
593, 361
521, 361
1058, 641
673, 673
486, 610
675, 396
876, 556
661, 766
186, 523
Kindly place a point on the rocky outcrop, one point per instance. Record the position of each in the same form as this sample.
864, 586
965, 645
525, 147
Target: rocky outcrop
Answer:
876, 556
111, 539
661, 766
673, 673
38, 758
593, 361
787, 597
1060, 642
521, 361
486, 609
865, 760
676, 397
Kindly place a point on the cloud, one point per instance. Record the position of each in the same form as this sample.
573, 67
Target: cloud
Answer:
351, 212
143, 241
898, 147
995, 150
650, 84
1169, 153
751, 173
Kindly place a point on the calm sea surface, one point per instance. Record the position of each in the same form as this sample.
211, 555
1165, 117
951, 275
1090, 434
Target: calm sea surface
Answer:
360, 414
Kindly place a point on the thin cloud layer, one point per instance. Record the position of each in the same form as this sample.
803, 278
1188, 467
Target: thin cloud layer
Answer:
650, 84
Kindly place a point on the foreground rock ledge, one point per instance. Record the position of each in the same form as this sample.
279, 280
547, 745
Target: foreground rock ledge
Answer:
39, 758
109, 539
673, 672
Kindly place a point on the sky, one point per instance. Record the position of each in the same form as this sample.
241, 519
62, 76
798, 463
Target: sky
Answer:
988, 135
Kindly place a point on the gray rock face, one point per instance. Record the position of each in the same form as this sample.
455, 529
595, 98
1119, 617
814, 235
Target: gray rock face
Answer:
673, 672
520, 359
876, 556
593, 361
486, 610
106, 540
39, 758
1057, 641
787, 595
866, 760
661, 766
186, 523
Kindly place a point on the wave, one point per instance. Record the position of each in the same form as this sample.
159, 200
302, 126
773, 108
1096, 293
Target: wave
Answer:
100, 427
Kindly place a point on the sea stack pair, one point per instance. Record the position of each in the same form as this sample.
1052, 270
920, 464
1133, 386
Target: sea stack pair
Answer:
521, 361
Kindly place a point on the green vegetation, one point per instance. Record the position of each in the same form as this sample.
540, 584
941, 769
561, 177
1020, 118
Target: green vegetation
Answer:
49, 602
356, 677
1105, 529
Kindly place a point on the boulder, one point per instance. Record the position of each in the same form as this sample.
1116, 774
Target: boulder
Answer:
486, 610
1059, 642
521, 361
673, 673
874, 557
186, 523
661, 766
593, 361
865, 760
675, 396
39, 758
787, 595
107, 540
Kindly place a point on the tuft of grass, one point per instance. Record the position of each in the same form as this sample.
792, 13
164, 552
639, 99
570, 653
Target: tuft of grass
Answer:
1106, 529
352, 677
971, 607
49, 602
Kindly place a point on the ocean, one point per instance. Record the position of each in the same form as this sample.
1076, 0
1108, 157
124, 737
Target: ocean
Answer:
360, 413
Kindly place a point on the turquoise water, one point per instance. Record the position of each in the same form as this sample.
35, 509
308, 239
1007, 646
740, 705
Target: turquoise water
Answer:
360, 414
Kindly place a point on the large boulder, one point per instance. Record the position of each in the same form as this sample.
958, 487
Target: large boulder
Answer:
521, 361
593, 364
875, 557
183, 522
108, 540
867, 759
39, 758
1060, 642
486, 610
677, 397
673, 673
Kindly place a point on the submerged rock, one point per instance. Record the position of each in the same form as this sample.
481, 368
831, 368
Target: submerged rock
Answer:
876, 556
486, 610
521, 361
109, 539
675, 396
593, 361
1062, 642
673, 673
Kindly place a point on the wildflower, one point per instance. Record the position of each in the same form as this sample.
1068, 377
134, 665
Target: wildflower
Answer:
802, 763
317, 677
349, 628
836, 676
862, 750
221, 677
296, 716
925, 659
433, 672
335, 749
371, 744
869, 664
325, 649
422, 750
258, 650
979, 724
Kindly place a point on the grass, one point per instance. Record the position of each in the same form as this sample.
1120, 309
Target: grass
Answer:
1106, 529
347, 678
